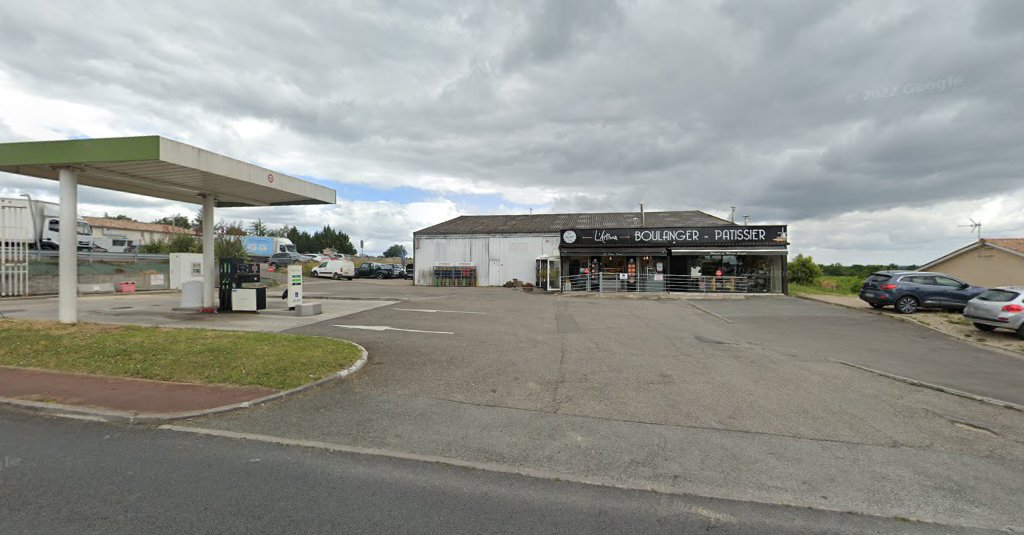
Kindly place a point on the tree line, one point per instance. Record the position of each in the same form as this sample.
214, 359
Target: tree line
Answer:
325, 238
803, 270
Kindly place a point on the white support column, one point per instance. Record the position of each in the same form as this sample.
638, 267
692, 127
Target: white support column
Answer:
67, 292
209, 261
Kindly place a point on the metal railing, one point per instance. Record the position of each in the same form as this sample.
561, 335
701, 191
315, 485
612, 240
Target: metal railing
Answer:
662, 283
94, 256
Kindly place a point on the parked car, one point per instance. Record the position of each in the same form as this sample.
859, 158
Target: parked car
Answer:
335, 269
283, 259
374, 270
908, 291
319, 257
998, 308
397, 271
410, 271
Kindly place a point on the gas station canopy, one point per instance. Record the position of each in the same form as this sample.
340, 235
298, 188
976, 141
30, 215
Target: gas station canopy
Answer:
155, 167
158, 167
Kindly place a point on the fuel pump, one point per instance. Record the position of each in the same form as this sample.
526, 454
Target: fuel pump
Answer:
233, 297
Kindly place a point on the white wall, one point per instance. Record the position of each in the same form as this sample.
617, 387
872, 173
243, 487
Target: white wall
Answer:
140, 237
498, 258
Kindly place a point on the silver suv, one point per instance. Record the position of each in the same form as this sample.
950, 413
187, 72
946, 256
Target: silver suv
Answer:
998, 308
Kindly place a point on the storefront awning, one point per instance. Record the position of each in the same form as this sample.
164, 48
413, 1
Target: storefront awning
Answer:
614, 252
731, 252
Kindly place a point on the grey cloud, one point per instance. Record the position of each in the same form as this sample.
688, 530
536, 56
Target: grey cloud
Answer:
556, 28
1000, 18
771, 106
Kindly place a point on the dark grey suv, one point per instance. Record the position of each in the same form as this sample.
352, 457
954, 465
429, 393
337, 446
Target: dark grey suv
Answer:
907, 291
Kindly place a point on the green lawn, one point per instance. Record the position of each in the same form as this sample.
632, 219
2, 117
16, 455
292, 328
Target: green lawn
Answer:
185, 355
829, 286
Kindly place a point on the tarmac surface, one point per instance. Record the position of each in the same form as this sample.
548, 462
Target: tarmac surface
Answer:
62, 476
734, 399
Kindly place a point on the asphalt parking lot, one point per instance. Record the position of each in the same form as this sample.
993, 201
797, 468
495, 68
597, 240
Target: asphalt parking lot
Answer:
739, 399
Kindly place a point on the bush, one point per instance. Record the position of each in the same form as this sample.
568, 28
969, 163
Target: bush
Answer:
184, 243
307, 268
229, 247
155, 247
803, 270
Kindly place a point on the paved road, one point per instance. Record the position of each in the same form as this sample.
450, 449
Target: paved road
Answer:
61, 476
732, 399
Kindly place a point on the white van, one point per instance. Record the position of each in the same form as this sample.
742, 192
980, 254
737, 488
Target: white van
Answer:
335, 269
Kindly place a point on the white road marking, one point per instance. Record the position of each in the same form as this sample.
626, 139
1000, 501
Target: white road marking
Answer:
386, 328
432, 311
445, 461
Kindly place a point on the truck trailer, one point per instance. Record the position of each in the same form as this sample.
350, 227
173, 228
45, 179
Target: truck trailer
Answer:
40, 225
261, 247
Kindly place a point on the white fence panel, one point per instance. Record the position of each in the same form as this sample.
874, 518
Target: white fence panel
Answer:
13, 248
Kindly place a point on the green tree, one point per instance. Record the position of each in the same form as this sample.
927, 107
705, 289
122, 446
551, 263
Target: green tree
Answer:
803, 270
395, 251
121, 217
258, 228
176, 220
184, 243
234, 228
197, 221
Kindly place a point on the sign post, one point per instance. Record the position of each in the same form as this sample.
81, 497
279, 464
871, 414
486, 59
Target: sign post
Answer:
294, 286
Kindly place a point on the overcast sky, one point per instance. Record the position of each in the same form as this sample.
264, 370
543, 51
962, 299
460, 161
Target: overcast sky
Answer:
873, 128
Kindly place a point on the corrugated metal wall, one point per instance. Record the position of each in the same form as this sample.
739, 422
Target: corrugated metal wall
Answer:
498, 259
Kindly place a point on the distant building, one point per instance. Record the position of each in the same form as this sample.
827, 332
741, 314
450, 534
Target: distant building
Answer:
987, 262
138, 232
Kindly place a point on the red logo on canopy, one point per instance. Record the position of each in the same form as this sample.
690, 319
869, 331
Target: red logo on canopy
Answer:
270, 178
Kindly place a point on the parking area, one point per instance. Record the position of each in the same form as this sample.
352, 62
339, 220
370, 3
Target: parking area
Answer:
737, 399
765, 365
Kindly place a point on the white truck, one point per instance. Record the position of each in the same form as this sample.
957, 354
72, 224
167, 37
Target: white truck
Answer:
261, 247
40, 225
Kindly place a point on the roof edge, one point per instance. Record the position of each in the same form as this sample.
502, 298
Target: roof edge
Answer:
79, 151
968, 248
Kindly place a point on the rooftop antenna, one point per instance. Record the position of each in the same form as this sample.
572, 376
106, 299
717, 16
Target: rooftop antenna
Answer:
975, 227
746, 220
732, 216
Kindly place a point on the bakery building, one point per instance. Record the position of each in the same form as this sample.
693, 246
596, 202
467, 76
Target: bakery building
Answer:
678, 251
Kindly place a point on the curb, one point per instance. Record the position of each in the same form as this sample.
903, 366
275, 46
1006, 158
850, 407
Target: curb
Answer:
656, 296
130, 417
945, 389
327, 297
899, 317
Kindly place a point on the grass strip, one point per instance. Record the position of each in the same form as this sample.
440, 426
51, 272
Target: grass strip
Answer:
183, 355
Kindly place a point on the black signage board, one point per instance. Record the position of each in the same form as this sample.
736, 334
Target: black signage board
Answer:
731, 236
